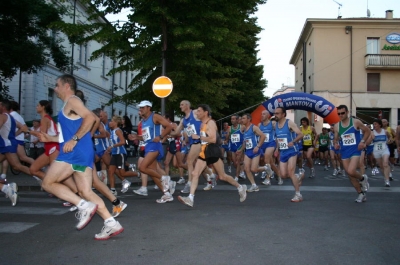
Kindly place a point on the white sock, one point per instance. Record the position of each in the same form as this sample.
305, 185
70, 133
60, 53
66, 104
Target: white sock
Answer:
82, 204
167, 193
298, 193
240, 188
110, 221
189, 183
191, 197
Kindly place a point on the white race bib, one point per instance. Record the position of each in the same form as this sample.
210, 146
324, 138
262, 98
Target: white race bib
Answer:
249, 144
190, 129
378, 146
204, 135
266, 137
307, 137
324, 142
235, 138
348, 139
96, 141
283, 143
146, 134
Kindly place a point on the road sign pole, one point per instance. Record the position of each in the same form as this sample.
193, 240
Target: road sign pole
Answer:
163, 70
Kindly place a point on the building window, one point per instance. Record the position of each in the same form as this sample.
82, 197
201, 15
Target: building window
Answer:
373, 82
372, 45
83, 54
51, 98
103, 71
120, 80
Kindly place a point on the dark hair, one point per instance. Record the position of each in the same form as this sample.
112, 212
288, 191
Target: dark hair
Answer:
47, 106
81, 95
6, 104
128, 122
205, 107
14, 106
306, 120
342, 107
97, 112
283, 110
66, 78
379, 121
236, 116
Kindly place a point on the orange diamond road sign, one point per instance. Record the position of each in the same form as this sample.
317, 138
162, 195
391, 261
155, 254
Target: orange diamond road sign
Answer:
162, 87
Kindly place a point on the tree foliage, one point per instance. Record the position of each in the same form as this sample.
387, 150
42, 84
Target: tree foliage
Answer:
25, 42
210, 48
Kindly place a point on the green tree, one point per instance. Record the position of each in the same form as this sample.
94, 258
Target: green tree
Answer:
25, 39
210, 49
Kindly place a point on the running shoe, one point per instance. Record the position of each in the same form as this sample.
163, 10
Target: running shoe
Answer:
364, 183
236, 179
362, 197
229, 169
186, 189
165, 198
181, 181
243, 193
266, 182
208, 187
12, 193
390, 177
114, 192
132, 167
156, 187
142, 191
268, 170
297, 198
73, 208
84, 216
373, 172
186, 201
387, 183
312, 173
376, 170
335, 172
117, 209
109, 231
280, 181
326, 168
263, 175
67, 204
125, 185
242, 175
172, 185
253, 188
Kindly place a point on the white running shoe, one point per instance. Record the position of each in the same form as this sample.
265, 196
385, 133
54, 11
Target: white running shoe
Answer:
186, 201
280, 181
242, 175
253, 188
387, 183
362, 197
165, 182
12, 193
114, 192
73, 208
186, 189
125, 185
335, 172
229, 169
109, 231
181, 181
326, 168
165, 198
117, 209
208, 187
266, 182
297, 198
156, 187
263, 175
268, 170
243, 193
142, 191
84, 216
236, 179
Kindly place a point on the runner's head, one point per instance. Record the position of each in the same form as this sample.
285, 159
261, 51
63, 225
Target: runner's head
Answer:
280, 113
44, 105
246, 119
234, 119
343, 112
203, 111
185, 105
145, 108
378, 124
304, 121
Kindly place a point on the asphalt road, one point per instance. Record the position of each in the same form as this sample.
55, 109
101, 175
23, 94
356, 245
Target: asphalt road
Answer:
328, 227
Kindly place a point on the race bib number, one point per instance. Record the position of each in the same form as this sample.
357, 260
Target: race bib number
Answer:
249, 144
348, 139
324, 142
60, 135
204, 135
266, 138
146, 134
96, 141
141, 143
190, 129
235, 138
378, 146
307, 137
283, 143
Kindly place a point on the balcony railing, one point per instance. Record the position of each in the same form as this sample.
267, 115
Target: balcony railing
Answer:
382, 61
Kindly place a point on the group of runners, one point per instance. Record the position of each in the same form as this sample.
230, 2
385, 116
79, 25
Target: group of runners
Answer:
86, 146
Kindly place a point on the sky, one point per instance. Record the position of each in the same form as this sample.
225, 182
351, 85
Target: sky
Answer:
283, 21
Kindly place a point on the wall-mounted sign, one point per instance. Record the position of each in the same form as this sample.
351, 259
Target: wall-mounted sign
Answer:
394, 47
393, 38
